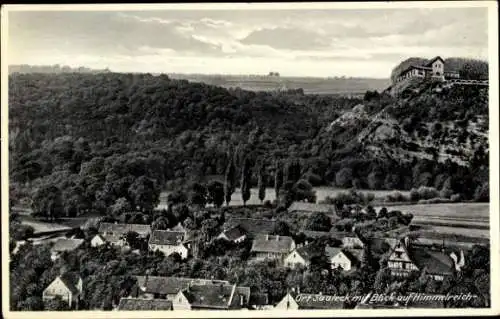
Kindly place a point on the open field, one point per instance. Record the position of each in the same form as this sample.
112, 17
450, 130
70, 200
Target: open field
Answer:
321, 194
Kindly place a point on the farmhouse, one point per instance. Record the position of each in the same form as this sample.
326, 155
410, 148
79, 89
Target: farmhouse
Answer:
434, 68
302, 256
133, 304
296, 301
64, 244
345, 259
155, 287
115, 233
235, 234
212, 297
169, 242
268, 246
68, 286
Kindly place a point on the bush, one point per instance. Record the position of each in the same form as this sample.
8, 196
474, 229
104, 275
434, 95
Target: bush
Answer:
396, 196
423, 192
435, 200
455, 198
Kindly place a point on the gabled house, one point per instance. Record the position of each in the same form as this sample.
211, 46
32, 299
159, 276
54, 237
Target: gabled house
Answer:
235, 234
115, 233
343, 258
97, 240
275, 247
436, 264
169, 242
64, 244
298, 301
156, 287
138, 304
399, 261
302, 256
68, 286
212, 297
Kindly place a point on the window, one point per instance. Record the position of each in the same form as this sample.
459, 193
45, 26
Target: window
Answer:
399, 254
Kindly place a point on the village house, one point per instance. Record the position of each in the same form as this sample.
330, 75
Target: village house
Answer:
343, 258
212, 297
435, 263
97, 240
156, 287
273, 247
135, 304
235, 234
115, 233
64, 244
434, 68
169, 242
297, 301
249, 226
302, 256
68, 287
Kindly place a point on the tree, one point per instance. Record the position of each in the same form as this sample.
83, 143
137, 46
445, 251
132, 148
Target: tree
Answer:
246, 175
318, 222
230, 181
120, 206
261, 184
215, 193
303, 190
292, 171
197, 194
344, 177
278, 178
132, 239
145, 193
209, 229
281, 228
47, 202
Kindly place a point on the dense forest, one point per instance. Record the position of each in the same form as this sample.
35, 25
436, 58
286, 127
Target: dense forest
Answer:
86, 141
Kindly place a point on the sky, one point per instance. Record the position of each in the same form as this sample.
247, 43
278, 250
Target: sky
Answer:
323, 43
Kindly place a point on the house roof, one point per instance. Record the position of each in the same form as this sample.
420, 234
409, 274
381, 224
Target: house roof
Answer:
378, 245
235, 232
253, 225
355, 255
434, 59
171, 285
435, 262
66, 244
309, 251
70, 280
219, 296
144, 304
317, 301
178, 228
122, 229
332, 251
166, 237
312, 208
272, 244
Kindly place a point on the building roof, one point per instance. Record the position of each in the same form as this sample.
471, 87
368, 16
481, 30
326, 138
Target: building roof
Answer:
219, 296
252, 225
171, 285
355, 255
71, 279
144, 304
311, 208
317, 301
167, 237
272, 244
309, 252
122, 229
66, 244
379, 245
434, 59
332, 251
235, 232
435, 262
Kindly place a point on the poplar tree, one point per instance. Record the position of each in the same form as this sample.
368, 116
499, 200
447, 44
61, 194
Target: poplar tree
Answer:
261, 182
246, 175
229, 181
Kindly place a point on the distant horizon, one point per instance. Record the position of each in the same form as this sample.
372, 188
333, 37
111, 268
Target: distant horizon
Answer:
358, 43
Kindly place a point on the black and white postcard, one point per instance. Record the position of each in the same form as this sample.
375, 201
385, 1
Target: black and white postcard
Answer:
250, 160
